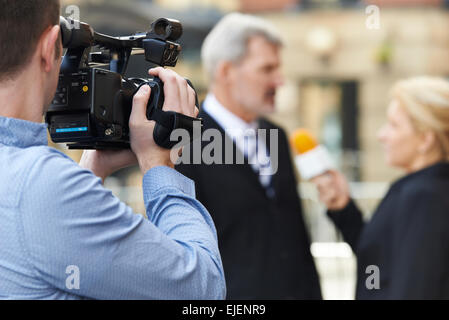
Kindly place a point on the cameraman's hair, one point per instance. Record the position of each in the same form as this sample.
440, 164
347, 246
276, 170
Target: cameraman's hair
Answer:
22, 23
228, 40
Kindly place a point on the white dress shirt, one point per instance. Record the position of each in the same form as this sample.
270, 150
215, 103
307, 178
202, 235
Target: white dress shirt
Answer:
244, 135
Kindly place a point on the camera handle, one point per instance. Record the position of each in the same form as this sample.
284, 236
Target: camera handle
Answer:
167, 122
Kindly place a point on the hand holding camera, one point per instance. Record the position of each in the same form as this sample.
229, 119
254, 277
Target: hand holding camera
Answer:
179, 98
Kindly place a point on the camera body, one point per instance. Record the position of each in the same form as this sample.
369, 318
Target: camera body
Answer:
93, 101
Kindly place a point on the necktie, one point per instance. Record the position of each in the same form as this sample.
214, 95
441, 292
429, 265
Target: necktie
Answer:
259, 159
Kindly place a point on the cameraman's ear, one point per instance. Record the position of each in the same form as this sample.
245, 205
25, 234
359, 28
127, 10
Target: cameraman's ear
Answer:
50, 41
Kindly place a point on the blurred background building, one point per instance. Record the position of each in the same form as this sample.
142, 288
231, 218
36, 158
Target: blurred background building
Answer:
338, 69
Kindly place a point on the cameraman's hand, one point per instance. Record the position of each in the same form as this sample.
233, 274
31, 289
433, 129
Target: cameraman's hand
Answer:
105, 162
333, 189
179, 97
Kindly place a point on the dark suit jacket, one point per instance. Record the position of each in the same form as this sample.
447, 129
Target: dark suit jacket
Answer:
407, 238
263, 241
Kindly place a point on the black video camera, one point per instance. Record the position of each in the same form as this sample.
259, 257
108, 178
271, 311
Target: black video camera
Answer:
93, 102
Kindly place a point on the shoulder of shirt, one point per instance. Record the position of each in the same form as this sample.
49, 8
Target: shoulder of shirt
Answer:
33, 168
37, 152
46, 164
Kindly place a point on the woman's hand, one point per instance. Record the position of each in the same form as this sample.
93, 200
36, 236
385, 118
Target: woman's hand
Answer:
333, 189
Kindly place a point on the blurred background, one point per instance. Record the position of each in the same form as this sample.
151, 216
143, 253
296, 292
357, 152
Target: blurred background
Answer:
338, 73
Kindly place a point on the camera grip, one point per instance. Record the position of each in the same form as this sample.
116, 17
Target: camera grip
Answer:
169, 121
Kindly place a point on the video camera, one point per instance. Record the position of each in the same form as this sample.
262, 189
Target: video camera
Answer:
93, 102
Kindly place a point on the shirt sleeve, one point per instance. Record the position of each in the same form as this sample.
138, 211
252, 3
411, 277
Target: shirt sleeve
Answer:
189, 170
69, 219
420, 257
350, 223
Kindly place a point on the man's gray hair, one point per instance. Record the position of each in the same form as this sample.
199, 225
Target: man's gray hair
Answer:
228, 40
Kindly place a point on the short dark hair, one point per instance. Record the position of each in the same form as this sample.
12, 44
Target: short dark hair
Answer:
22, 23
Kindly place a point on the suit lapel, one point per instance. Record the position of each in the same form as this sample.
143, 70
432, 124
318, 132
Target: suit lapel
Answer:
246, 170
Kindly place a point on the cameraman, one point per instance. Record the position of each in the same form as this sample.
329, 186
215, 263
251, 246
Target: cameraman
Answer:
62, 235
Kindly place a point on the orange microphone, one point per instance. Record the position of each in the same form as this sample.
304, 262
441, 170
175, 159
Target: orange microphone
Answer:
312, 159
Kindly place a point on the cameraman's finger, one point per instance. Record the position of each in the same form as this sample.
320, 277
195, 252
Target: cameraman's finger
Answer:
171, 88
186, 99
192, 101
140, 102
156, 71
184, 95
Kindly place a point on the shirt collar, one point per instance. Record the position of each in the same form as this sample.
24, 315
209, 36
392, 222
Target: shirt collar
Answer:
225, 118
22, 133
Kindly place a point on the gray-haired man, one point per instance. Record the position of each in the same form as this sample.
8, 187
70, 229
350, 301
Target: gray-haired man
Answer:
261, 232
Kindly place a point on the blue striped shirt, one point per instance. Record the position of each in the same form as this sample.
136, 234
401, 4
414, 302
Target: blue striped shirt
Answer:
64, 236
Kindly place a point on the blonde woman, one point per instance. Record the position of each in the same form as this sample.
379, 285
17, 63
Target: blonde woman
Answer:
406, 243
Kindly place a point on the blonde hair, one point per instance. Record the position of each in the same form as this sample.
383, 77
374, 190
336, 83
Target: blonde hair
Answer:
426, 100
